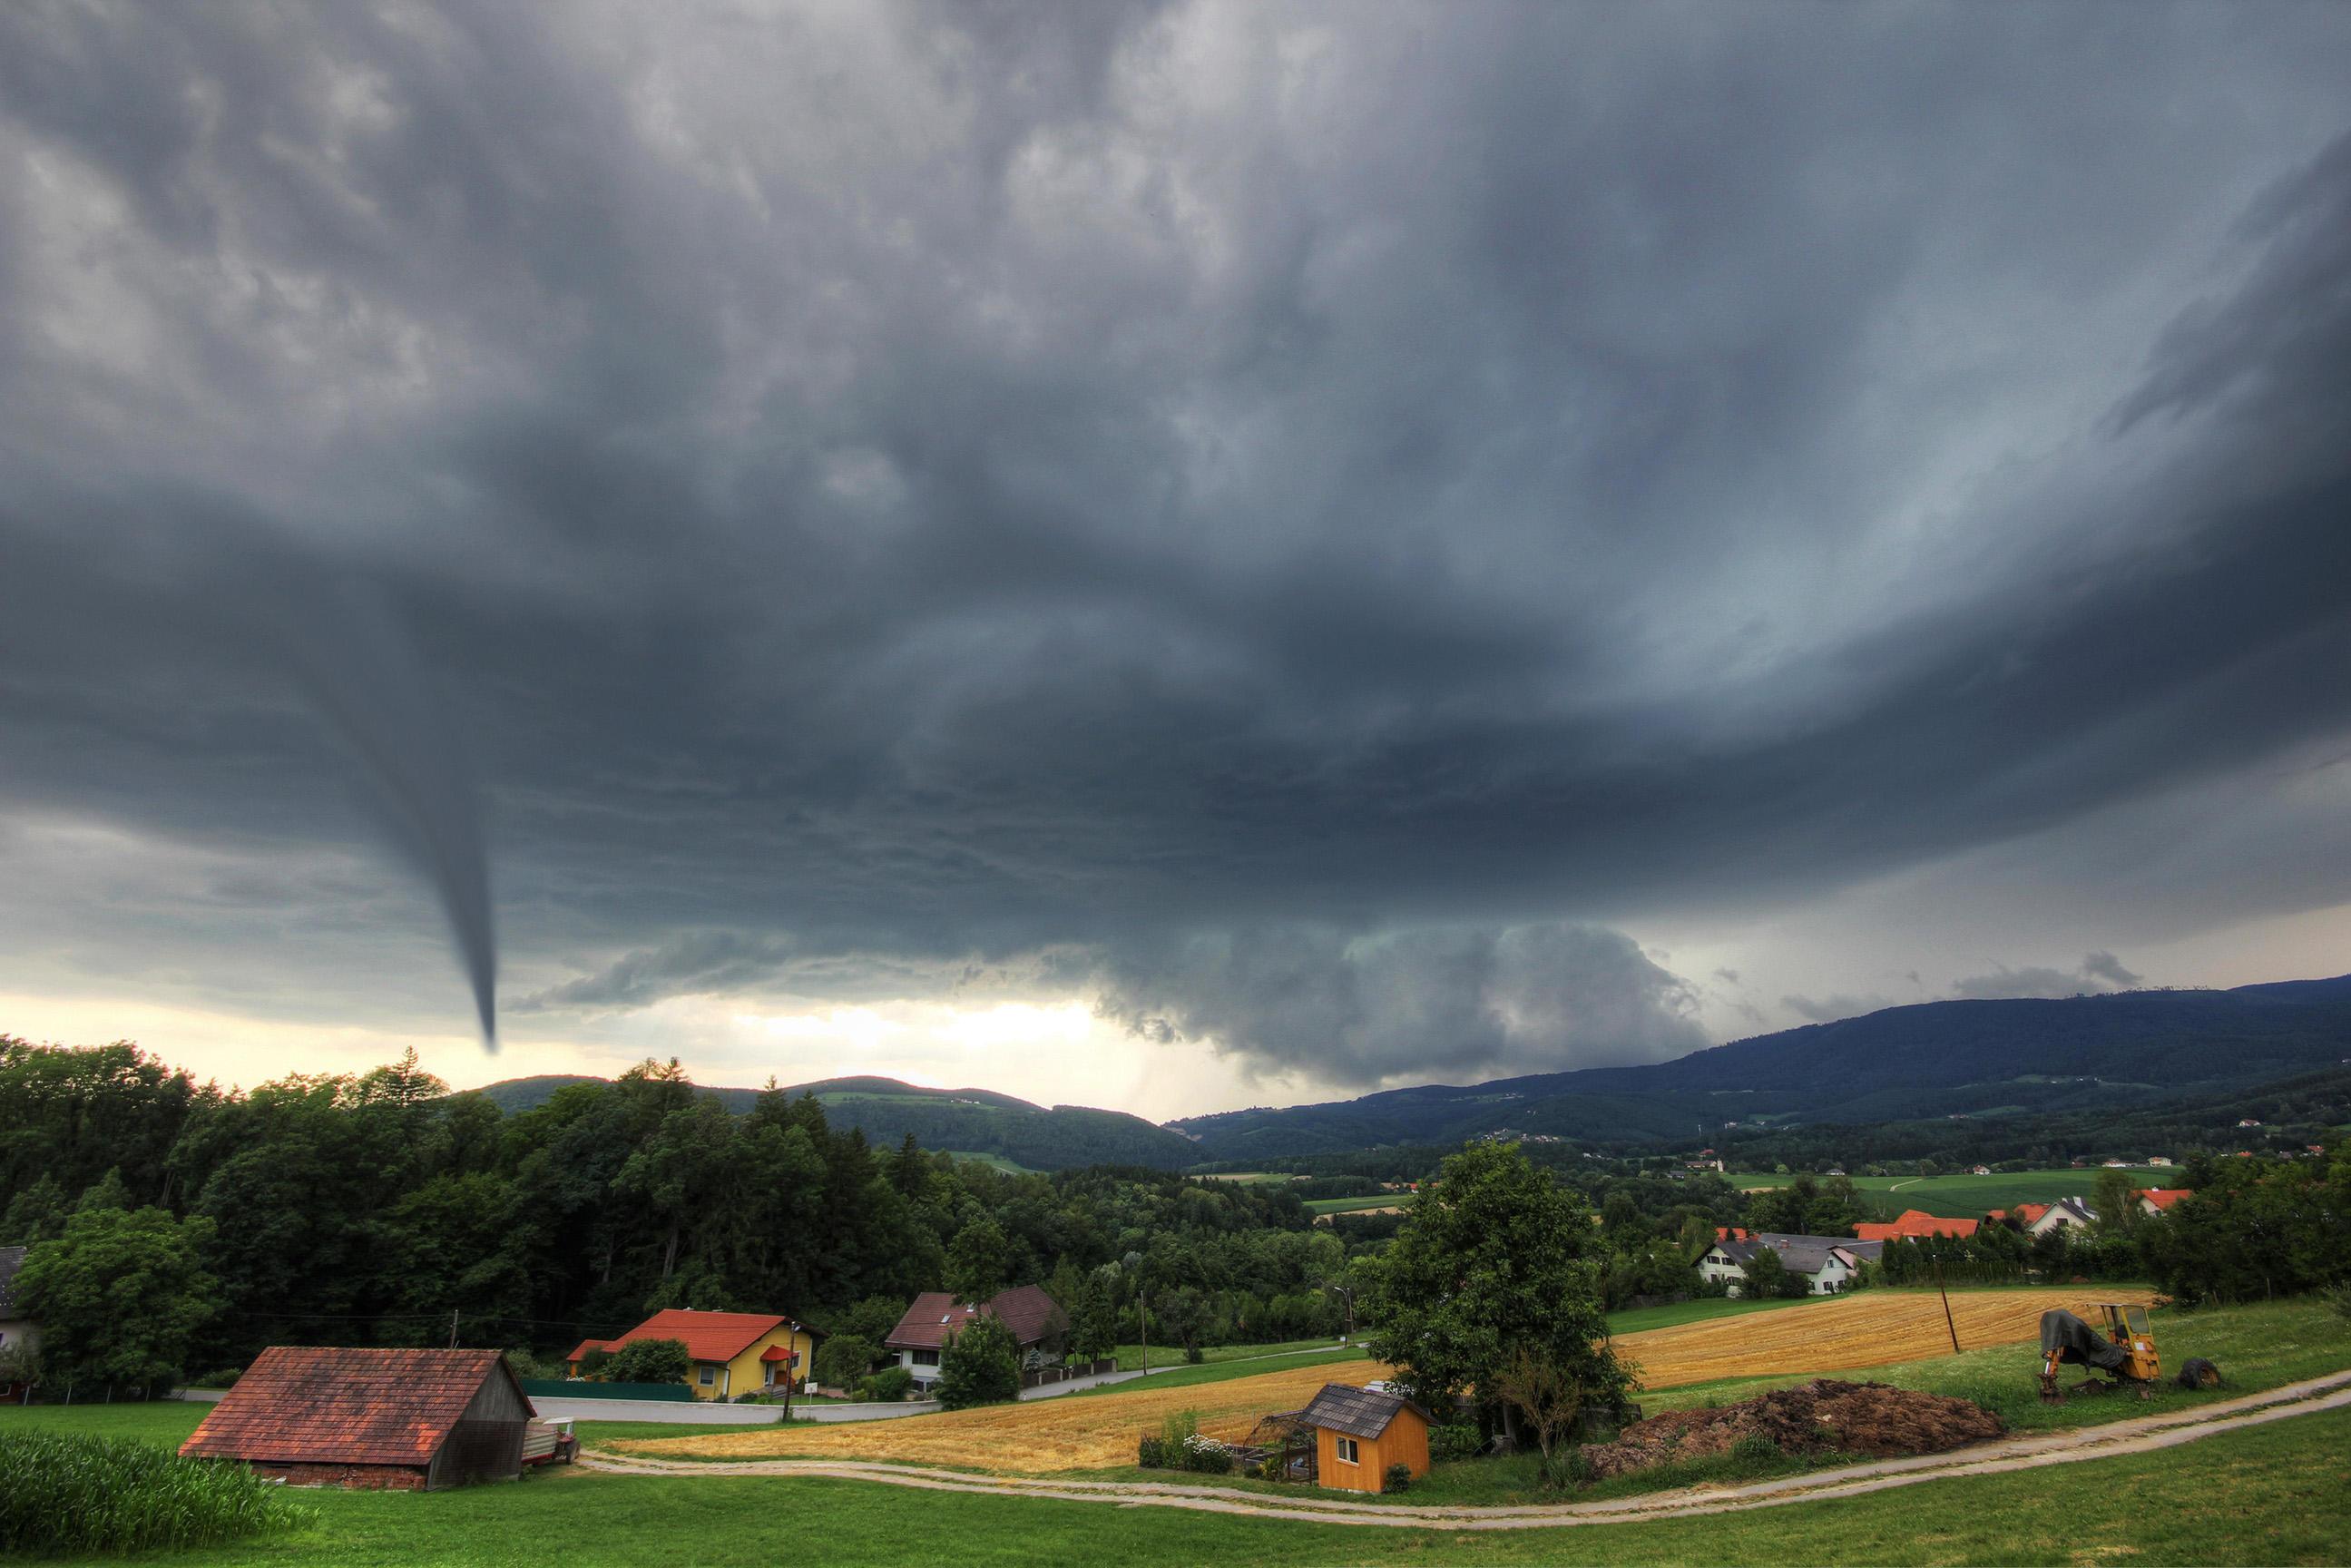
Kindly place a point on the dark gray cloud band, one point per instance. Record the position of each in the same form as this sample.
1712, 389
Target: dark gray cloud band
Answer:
924, 488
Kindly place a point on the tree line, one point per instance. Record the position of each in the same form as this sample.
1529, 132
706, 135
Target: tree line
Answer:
368, 1208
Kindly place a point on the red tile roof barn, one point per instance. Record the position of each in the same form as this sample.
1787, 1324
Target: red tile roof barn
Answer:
1032, 1315
1916, 1225
305, 1405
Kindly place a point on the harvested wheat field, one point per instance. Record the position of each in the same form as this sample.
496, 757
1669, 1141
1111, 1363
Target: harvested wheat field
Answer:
1869, 1328
1874, 1328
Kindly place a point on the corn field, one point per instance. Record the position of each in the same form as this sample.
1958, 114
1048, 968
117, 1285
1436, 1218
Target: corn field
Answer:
1870, 1328
62, 1493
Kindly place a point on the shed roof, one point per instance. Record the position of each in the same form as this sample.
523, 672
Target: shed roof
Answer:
321, 1405
11, 1259
1026, 1310
1357, 1412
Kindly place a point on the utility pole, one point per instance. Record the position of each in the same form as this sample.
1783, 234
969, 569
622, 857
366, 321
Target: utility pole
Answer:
453, 1328
1947, 1322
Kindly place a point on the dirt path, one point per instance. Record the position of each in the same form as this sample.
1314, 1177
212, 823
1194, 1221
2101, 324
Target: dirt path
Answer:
2140, 1435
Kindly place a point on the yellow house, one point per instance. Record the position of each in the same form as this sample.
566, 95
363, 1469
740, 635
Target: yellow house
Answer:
734, 1354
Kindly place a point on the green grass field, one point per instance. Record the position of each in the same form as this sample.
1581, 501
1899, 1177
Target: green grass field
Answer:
1965, 1196
2280, 1493
997, 1161
1130, 1356
1223, 1363
1353, 1205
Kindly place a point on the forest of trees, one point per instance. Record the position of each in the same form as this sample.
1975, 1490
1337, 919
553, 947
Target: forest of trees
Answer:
368, 1208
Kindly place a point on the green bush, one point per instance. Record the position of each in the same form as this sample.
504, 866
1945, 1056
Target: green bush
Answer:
62, 1493
1755, 1448
1150, 1453
1399, 1478
650, 1361
887, 1386
845, 1360
980, 1366
1456, 1440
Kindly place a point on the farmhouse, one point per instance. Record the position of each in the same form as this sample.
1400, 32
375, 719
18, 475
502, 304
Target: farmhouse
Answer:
2157, 1200
1913, 1225
1361, 1433
734, 1354
1039, 1328
381, 1420
1827, 1263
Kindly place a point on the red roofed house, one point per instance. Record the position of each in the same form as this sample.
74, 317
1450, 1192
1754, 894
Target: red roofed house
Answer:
1039, 1327
1913, 1225
734, 1354
383, 1420
2156, 1199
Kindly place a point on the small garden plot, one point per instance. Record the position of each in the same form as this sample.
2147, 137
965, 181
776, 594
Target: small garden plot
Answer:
1820, 1418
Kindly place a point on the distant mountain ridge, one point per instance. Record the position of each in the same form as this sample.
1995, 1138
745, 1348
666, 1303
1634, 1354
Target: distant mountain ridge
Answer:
975, 1121
1930, 1059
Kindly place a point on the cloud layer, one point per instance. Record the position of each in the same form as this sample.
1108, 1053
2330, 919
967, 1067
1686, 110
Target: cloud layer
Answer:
1305, 522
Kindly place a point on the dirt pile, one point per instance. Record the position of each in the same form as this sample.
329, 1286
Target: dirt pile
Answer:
1818, 1417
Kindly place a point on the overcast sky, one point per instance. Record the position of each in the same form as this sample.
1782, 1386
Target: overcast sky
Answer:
1172, 557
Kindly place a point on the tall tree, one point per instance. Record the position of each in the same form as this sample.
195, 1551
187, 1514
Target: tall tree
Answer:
1495, 1258
120, 1295
978, 1261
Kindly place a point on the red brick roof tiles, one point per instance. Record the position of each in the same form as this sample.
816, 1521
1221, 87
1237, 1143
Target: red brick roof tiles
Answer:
1916, 1225
307, 1405
1032, 1315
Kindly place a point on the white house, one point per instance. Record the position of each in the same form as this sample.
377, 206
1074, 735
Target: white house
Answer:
1828, 1263
2065, 1211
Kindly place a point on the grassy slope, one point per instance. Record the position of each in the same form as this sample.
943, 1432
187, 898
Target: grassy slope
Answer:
1213, 1370
1967, 1197
2280, 1493
1130, 1356
1357, 1205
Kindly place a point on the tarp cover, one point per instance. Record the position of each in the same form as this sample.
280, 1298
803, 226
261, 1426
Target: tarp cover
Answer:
2077, 1342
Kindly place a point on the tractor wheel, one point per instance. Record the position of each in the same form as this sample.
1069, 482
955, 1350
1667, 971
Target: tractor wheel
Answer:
2199, 1373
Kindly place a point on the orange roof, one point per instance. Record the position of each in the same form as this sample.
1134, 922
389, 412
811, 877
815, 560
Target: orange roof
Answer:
1729, 1233
585, 1345
315, 1405
2023, 1213
1913, 1225
708, 1336
2163, 1197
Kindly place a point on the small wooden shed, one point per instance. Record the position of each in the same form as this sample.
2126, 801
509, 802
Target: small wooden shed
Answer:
392, 1420
1361, 1433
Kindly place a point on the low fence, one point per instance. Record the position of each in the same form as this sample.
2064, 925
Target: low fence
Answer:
580, 1388
1039, 1377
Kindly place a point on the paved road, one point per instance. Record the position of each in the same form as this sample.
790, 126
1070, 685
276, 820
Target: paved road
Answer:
2001, 1458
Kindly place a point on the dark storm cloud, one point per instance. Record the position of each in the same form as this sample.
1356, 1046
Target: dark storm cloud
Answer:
2099, 972
1316, 513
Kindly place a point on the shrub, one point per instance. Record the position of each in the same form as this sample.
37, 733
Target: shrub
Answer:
62, 1493
650, 1361
1755, 1448
980, 1366
1150, 1453
1399, 1478
1205, 1455
887, 1386
1456, 1440
1565, 1467
845, 1360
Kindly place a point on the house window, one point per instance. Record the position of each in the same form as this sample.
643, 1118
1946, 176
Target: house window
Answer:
1348, 1453
927, 1358
707, 1376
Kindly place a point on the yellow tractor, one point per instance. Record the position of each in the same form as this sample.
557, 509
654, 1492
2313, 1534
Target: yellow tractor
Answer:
2125, 1352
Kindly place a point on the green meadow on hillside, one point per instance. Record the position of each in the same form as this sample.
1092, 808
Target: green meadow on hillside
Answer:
1966, 1196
